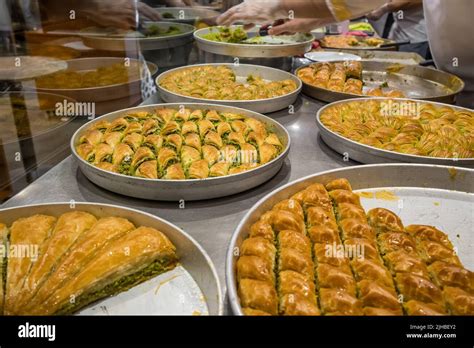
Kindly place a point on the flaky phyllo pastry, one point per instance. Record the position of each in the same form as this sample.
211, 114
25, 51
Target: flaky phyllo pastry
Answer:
80, 259
220, 83
413, 128
179, 144
292, 264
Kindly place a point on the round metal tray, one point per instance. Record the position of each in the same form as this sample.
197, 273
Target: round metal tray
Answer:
369, 154
194, 280
190, 190
392, 46
251, 50
133, 44
187, 15
43, 133
415, 81
443, 188
101, 93
242, 71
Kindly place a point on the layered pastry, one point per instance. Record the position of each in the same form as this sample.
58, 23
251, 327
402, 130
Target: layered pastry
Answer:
78, 259
343, 77
220, 83
408, 127
181, 144
350, 41
320, 253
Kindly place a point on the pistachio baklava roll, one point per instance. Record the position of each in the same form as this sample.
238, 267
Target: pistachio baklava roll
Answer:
420, 295
296, 285
375, 288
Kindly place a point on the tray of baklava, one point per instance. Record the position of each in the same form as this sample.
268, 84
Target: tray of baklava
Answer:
99, 259
187, 151
333, 81
386, 130
371, 240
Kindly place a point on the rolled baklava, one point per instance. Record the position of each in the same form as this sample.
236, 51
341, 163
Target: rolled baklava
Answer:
319, 253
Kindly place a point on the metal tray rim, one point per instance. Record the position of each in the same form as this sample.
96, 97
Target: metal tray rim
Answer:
138, 180
198, 38
102, 89
161, 220
190, 29
46, 131
382, 152
233, 101
230, 278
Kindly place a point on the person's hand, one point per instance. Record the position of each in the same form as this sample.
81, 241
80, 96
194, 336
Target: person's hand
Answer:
180, 3
298, 25
147, 12
376, 14
117, 14
253, 12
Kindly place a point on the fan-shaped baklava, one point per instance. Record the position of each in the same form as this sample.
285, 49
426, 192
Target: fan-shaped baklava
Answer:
78, 259
220, 83
319, 252
179, 144
408, 127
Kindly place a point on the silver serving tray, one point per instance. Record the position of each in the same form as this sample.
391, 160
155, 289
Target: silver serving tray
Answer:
448, 192
388, 45
368, 154
133, 44
47, 134
408, 58
263, 106
101, 93
415, 81
187, 15
176, 190
192, 288
251, 50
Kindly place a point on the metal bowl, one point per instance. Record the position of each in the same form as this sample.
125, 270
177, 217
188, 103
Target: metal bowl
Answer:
415, 81
438, 182
369, 154
263, 106
101, 93
251, 50
193, 258
46, 133
187, 15
190, 190
134, 44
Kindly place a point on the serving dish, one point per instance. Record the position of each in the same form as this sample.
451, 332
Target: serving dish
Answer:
187, 15
192, 189
132, 43
241, 71
419, 194
411, 109
33, 116
351, 42
191, 288
415, 81
252, 50
108, 97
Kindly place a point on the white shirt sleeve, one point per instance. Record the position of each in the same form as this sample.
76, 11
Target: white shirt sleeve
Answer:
348, 9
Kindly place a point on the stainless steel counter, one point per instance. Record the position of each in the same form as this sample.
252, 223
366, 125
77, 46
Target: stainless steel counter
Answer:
210, 222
